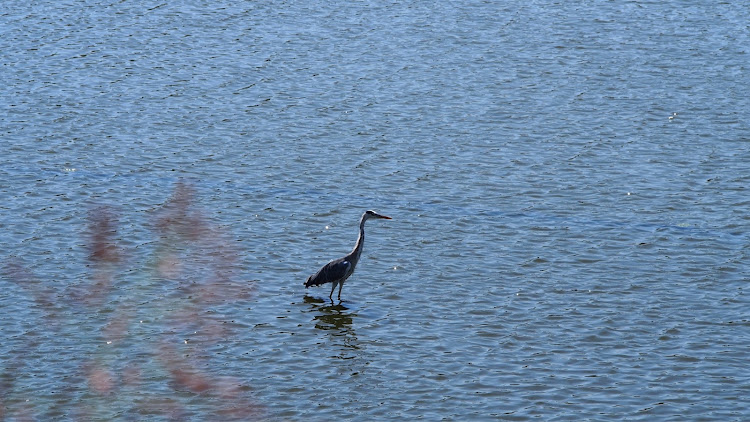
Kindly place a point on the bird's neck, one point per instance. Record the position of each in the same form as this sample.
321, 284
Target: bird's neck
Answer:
360, 241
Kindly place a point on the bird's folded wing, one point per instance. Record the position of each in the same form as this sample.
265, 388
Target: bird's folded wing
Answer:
332, 271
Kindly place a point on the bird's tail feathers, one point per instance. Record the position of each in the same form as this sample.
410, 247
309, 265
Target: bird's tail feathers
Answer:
315, 281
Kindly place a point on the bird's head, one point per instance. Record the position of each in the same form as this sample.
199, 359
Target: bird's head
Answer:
372, 214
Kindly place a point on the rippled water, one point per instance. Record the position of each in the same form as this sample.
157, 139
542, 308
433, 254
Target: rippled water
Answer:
567, 181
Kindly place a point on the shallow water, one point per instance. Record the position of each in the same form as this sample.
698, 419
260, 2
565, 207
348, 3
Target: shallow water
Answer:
568, 187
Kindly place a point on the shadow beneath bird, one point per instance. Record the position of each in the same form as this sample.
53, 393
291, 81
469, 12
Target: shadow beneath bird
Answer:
330, 316
336, 322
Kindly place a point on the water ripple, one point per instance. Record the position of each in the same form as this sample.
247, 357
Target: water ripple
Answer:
568, 187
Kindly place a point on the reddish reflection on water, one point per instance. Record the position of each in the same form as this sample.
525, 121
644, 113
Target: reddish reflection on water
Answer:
190, 273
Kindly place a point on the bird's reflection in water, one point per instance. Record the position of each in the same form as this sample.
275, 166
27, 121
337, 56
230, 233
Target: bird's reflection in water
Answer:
336, 320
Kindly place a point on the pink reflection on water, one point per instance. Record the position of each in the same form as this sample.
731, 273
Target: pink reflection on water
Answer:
200, 264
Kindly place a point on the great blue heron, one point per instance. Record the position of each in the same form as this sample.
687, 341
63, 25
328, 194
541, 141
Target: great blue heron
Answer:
338, 270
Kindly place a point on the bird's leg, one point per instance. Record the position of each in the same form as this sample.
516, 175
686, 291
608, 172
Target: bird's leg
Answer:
333, 287
340, 286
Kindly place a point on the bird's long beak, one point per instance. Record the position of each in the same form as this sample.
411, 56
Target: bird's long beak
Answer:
383, 216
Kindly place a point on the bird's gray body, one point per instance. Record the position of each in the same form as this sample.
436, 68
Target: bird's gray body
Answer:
338, 270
